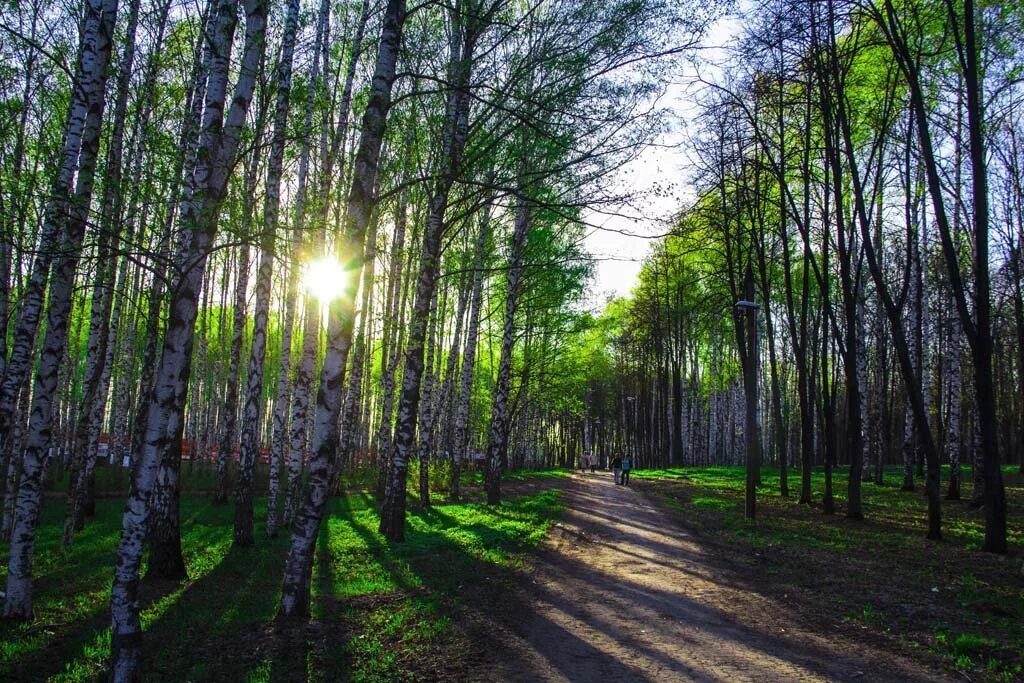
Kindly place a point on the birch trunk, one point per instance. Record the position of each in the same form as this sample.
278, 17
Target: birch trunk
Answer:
19, 363
18, 218
862, 380
296, 440
444, 402
301, 406
15, 447
298, 568
93, 402
348, 439
229, 409
426, 416
184, 166
977, 328
497, 442
453, 141
244, 535
97, 34
952, 376
216, 155
280, 423
302, 414
914, 348
393, 338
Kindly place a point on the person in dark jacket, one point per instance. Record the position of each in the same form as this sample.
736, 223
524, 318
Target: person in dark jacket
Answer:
627, 465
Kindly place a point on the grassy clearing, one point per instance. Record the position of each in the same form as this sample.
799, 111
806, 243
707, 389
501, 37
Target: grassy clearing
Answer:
881, 573
380, 611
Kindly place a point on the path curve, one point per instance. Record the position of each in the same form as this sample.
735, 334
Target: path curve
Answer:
621, 592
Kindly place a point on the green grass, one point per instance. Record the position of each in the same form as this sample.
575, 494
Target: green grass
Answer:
948, 598
527, 475
379, 609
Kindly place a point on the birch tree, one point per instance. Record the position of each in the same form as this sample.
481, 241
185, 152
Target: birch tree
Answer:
87, 105
216, 153
360, 205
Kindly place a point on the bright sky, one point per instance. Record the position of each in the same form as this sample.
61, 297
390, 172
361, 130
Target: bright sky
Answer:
619, 243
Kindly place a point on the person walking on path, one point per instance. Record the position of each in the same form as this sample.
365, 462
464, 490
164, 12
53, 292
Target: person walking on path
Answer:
593, 463
627, 465
617, 469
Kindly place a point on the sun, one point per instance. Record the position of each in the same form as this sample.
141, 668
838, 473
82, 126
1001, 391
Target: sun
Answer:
324, 278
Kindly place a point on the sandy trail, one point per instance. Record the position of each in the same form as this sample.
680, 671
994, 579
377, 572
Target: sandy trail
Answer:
621, 592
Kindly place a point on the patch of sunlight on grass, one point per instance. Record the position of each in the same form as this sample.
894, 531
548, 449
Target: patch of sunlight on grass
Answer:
523, 475
90, 663
712, 503
414, 623
261, 673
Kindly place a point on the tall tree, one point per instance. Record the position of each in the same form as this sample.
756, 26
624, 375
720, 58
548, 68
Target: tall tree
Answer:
360, 206
85, 120
216, 154
254, 389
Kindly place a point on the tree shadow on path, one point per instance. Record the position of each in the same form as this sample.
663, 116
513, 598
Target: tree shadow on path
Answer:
621, 593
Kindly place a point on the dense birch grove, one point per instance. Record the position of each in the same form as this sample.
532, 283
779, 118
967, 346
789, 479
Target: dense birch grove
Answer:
286, 242
278, 246
861, 162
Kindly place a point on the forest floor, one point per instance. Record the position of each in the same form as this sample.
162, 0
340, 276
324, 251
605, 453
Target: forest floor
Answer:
381, 612
665, 580
571, 579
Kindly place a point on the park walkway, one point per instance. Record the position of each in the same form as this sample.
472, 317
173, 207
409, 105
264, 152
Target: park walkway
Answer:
622, 592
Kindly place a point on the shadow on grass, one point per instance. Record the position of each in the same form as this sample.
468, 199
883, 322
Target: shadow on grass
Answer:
378, 609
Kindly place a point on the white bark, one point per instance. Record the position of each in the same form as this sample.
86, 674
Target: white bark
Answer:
466, 30
217, 151
254, 389
426, 416
393, 337
101, 324
952, 375
298, 569
98, 28
226, 445
497, 443
913, 347
349, 437
311, 313
19, 363
460, 442
15, 447
862, 381
280, 423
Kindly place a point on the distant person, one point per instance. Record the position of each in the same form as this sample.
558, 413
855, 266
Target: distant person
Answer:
627, 465
617, 469
593, 464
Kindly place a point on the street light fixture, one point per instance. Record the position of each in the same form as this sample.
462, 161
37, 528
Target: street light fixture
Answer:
749, 308
631, 402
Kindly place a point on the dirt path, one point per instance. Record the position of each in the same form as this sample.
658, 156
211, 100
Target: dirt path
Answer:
622, 593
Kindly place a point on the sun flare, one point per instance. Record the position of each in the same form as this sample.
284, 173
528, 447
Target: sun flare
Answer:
324, 278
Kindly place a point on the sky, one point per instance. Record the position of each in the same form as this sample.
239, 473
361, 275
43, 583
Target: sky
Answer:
619, 243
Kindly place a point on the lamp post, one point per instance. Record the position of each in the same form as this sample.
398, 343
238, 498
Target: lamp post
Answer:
748, 308
631, 439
